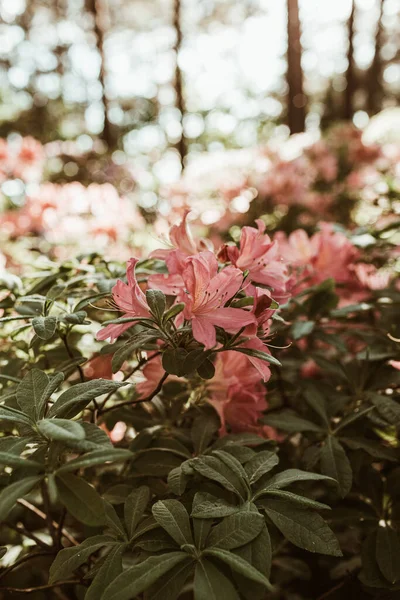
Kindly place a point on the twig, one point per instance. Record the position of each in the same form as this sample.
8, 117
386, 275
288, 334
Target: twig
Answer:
49, 586
64, 338
42, 515
140, 401
21, 530
22, 560
47, 509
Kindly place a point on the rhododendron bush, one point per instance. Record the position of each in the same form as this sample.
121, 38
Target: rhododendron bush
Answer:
217, 417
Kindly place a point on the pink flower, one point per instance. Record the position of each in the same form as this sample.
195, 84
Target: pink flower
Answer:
259, 255
130, 299
327, 254
237, 394
99, 367
395, 364
184, 246
205, 295
370, 277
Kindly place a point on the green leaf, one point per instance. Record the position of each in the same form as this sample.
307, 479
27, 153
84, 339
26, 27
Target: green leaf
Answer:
134, 508
61, 430
70, 559
139, 578
239, 565
45, 327
260, 464
303, 528
212, 468
30, 393
335, 464
173, 517
177, 481
174, 311
375, 449
206, 370
316, 400
109, 570
302, 501
388, 408
54, 383
201, 529
288, 420
81, 500
236, 530
96, 457
259, 354
10, 494
204, 427
11, 460
3, 551
157, 303
7, 413
75, 399
170, 585
388, 553
290, 476
301, 329
212, 584
206, 506
113, 521
173, 361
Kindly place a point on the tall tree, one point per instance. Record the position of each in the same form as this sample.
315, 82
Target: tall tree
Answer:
351, 84
180, 99
374, 82
98, 9
296, 96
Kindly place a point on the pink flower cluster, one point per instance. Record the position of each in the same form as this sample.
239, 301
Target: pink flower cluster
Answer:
207, 288
330, 254
72, 213
21, 159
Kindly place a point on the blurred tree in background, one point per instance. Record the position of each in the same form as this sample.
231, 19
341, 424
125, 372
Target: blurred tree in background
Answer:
163, 79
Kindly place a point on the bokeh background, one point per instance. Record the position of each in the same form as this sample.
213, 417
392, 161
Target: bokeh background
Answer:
157, 82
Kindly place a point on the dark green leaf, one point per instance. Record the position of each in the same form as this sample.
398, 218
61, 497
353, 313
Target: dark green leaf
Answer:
259, 354
61, 430
206, 506
174, 311
206, 370
335, 464
212, 584
30, 393
236, 530
212, 468
81, 500
260, 464
109, 570
287, 420
173, 517
303, 528
10, 494
301, 501
238, 565
134, 508
45, 327
96, 457
301, 329
11, 460
170, 585
157, 303
75, 399
388, 553
70, 559
139, 578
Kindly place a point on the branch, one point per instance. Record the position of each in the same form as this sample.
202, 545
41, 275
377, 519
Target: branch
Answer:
23, 560
42, 515
49, 586
140, 401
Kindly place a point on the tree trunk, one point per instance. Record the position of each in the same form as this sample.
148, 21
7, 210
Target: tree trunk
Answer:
350, 74
99, 12
374, 74
178, 83
296, 96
